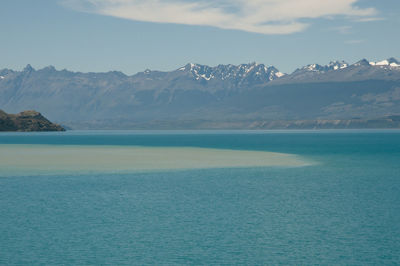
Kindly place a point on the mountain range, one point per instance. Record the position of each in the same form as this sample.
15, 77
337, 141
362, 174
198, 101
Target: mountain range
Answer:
198, 96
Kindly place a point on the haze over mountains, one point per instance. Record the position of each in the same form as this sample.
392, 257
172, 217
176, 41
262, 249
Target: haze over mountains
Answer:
198, 96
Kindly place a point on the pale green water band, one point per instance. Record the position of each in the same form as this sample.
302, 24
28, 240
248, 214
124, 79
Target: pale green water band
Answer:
36, 159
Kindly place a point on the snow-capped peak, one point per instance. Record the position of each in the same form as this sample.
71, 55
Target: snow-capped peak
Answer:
391, 62
338, 65
251, 71
312, 67
189, 67
198, 71
333, 65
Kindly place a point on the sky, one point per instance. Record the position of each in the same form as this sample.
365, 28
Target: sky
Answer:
134, 35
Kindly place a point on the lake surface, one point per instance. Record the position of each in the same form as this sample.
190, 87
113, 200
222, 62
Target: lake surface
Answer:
200, 197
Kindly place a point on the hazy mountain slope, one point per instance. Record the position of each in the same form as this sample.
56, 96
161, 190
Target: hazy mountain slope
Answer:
64, 95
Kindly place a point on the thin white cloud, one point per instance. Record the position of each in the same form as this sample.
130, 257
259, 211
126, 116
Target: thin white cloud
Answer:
369, 19
259, 16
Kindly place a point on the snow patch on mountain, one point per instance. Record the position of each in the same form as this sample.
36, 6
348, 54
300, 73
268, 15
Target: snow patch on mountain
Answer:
391, 62
334, 65
312, 67
338, 65
252, 72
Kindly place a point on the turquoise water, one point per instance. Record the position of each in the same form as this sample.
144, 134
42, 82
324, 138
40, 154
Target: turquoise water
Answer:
344, 208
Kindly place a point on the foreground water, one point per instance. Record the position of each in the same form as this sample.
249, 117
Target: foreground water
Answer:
200, 198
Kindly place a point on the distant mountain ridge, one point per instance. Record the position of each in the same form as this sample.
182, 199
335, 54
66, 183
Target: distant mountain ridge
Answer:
338, 71
336, 65
258, 72
196, 92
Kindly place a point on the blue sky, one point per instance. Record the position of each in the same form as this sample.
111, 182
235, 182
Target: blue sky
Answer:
133, 35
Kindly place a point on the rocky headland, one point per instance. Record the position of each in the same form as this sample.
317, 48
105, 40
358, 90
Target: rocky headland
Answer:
27, 121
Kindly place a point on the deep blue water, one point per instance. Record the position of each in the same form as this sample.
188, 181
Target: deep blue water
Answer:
343, 210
